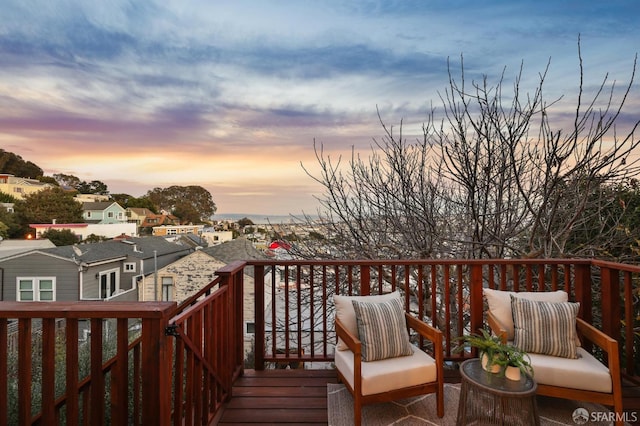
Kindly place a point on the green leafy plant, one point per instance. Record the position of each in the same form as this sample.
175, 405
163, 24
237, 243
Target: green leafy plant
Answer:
497, 353
512, 356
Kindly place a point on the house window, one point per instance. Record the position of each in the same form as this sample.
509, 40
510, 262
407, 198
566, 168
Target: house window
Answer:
36, 289
171, 232
109, 214
167, 289
109, 283
250, 328
130, 267
88, 214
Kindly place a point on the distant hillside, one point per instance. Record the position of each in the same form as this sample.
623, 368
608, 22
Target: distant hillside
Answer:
13, 164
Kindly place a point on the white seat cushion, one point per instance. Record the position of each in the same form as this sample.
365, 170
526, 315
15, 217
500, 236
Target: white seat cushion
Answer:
389, 374
584, 372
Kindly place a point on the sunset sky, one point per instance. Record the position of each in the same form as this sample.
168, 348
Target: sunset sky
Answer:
230, 95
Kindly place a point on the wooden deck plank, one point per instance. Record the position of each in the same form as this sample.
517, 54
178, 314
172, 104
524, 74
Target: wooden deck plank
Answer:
289, 403
299, 397
276, 397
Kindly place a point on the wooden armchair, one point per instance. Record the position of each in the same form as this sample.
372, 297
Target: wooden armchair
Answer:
392, 378
584, 378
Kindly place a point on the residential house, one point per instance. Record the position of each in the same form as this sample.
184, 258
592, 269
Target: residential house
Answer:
19, 187
137, 215
186, 276
103, 212
108, 270
13, 247
173, 230
181, 279
194, 241
84, 230
214, 237
153, 219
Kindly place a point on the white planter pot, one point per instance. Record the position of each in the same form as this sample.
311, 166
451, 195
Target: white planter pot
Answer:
512, 373
495, 368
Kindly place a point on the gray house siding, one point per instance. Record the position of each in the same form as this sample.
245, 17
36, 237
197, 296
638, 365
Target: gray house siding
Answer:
38, 265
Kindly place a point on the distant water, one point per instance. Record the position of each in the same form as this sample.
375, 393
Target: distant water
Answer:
258, 219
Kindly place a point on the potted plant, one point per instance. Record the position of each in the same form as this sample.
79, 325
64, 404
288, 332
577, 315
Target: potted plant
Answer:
490, 348
515, 362
496, 356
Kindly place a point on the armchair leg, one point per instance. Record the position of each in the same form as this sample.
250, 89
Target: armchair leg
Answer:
440, 401
357, 410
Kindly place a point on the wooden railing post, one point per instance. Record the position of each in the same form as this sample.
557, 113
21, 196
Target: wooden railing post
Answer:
156, 370
232, 276
582, 286
365, 280
475, 295
259, 341
611, 313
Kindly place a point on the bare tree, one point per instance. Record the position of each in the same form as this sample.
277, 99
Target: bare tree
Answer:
493, 177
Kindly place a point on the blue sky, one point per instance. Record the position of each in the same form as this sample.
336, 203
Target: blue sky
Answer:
230, 95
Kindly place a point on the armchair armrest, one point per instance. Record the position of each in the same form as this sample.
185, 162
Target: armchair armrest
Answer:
603, 341
497, 328
427, 331
352, 342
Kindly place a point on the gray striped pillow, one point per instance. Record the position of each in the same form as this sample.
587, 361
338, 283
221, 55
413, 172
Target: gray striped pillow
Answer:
547, 328
382, 329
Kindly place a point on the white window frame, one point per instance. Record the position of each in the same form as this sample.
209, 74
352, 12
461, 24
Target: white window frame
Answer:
35, 288
129, 267
108, 273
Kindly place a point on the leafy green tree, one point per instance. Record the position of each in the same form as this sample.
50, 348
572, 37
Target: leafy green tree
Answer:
179, 197
14, 164
61, 237
93, 187
49, 179
70, 181
187, 213
7, 198
245, 221
93, 238
13, 228
46, 206
83, 187
126, 201
4, 230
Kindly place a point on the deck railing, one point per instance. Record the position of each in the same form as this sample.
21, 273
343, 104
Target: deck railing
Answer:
156, 363
295, 298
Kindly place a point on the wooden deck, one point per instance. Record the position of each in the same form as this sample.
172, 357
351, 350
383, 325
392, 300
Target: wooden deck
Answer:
299, 397
274, 397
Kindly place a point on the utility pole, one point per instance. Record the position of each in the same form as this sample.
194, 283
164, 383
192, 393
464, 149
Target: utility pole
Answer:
155, 275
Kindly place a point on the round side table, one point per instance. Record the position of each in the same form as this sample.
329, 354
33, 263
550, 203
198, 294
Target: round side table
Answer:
490, 398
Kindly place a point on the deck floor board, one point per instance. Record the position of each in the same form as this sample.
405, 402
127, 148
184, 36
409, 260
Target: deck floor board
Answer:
299, 397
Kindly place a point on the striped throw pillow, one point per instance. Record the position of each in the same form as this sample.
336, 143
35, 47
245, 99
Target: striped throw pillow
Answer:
382, 329
547, 328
